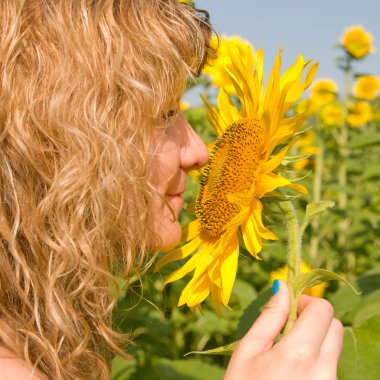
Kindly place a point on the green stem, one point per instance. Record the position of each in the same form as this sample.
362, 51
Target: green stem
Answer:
343, 153
317, 192
294, 258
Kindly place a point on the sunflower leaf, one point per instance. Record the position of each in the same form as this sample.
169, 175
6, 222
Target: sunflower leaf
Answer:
364, 141
316, 277
223, 350
314, 209
360, 354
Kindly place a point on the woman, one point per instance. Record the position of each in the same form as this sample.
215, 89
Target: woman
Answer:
94, 154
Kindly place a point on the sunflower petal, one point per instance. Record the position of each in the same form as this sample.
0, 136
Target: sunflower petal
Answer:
199, 292
179, 254
254, 231
216, 298
310, 75
259, 226
191, 230
300, 188
270, 182
227, 110
228, 269
200, 261
275, 161
252, 238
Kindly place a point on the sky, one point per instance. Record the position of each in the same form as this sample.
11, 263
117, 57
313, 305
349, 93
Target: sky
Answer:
310, 27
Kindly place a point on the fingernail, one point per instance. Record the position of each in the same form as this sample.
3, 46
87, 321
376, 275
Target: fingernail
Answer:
275, 287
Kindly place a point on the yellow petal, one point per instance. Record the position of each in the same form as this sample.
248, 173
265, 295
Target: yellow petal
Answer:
274, 161
312, 71
254, 230
247, 107
191, 230
241, 199
227, 110
300, 188
252, 239
215, 120
179, 254
259, 226
197, 293
269, 182
200, 261
216, 295
245, 89
185, 294
273, 89
292, 76
228, 268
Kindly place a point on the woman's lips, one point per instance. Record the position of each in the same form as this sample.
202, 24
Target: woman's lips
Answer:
176, 200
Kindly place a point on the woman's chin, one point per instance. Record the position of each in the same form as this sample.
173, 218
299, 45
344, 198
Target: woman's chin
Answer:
169, 235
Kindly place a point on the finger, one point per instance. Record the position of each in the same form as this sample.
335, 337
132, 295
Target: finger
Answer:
332, 345
313, 323
269, 324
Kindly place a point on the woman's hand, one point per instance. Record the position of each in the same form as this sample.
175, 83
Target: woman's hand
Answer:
310, 351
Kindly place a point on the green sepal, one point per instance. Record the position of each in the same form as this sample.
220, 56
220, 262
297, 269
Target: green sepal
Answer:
316, 277
227, 350
314, 209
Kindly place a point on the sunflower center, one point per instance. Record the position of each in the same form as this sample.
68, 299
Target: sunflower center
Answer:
232, 168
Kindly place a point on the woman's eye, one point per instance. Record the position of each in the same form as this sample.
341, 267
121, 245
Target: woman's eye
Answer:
170, 114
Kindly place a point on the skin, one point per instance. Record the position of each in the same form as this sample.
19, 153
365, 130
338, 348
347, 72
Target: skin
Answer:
179, 150
311, 349
13, 368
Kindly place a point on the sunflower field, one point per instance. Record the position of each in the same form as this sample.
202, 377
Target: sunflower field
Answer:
313, 157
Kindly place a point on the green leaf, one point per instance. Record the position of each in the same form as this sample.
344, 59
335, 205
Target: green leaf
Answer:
314, 209
367, 309
244, 292
344, 302
361, 349
122, 369
371, 171
353, 310
316, 277
190, 369
365, 140
211, 324
370, 280
228, 349
252, 312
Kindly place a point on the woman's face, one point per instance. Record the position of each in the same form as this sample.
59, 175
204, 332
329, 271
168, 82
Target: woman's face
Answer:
180, 149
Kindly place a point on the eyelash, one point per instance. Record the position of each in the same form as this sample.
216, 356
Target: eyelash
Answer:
170, 114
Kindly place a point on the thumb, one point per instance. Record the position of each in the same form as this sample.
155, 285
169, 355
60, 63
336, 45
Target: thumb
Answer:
269, 324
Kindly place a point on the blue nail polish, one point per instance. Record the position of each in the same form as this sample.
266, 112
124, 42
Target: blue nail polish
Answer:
275, 287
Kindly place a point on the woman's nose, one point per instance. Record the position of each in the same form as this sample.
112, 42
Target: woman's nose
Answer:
194, 152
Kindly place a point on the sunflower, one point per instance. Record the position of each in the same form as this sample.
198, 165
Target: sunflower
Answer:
359, 113
332, 114
306, 147
366, 87
357, 42
216, 68
240, 172
323, 90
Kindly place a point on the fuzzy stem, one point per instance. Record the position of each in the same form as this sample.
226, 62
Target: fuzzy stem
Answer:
294, 258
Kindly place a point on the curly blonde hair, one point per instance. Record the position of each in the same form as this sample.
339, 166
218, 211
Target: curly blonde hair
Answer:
83, 85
